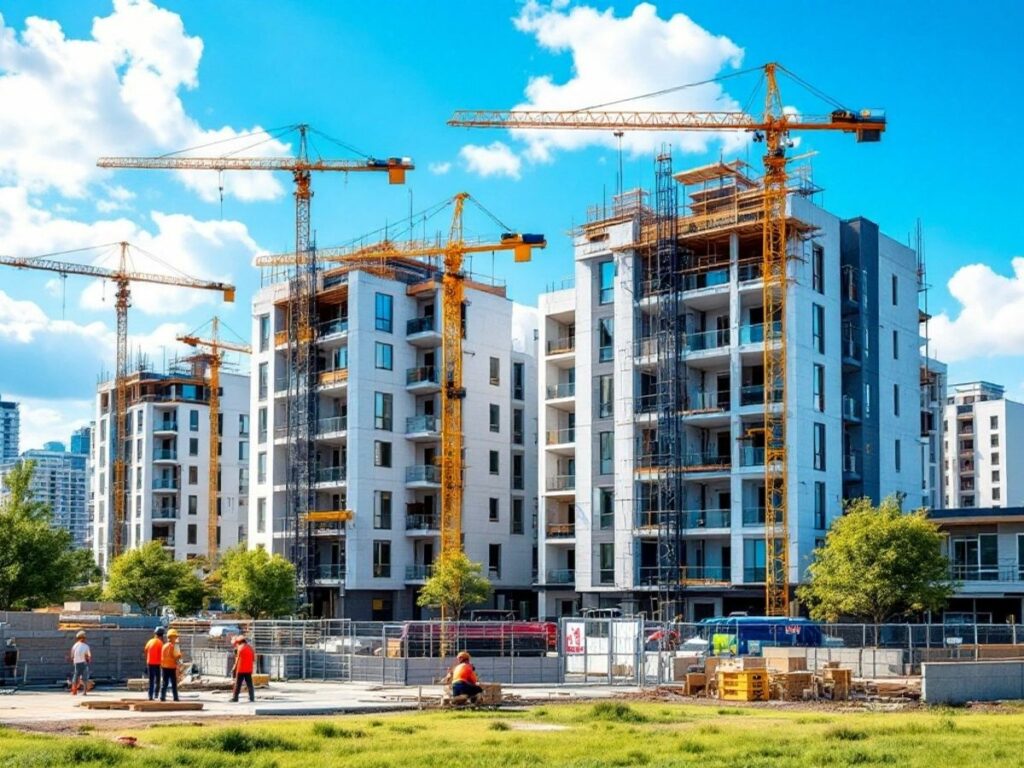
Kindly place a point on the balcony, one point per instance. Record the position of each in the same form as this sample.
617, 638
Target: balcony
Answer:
714, 278
332, 329
646, 403
706, 341
165, 541
753, 516
561, 576
967, 467
328, 529
747, 272
753, 394
563, 436
422, 380
165, 513
851, 465
330, 475
751, 456
560, 530
560, 484
707, 461
851, 353
564, 345
332, 573
331, 425
165, 425
280, 338
422, 428
332, 378
418, 572
422, 476
708, 518
422, 332
165, 454
851, 409
849, 289
754, 333
165, 484
966, 448
1006, 572
705, 574
561, 391
421, 522
754, 575
965, 427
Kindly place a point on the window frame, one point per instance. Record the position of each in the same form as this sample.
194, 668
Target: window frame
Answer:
383, 356
384, 312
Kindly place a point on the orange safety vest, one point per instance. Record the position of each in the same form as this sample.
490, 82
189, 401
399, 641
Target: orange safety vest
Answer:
154, 651
244, 658
464, 673
169, 656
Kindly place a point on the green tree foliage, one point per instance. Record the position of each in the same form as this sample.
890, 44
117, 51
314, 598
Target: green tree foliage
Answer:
456, 583
148, 577
38, 565
257, 584
877, 564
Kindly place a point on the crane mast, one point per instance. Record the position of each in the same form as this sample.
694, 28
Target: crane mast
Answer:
773, 128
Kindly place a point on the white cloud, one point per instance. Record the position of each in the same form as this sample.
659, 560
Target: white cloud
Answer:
990, 322
114, 93
44, 421
439, 169
496, 159
620, 57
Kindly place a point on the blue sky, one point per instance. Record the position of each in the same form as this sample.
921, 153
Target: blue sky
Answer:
383, 77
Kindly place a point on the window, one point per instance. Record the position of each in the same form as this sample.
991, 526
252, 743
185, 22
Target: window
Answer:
382, 554
193, 421
243, 425
996, 495
895, 290
818, 268
995, 475
818, 328
606, 277
517, 516
494, 462
261, 515
382, 510
605, 339
518, 381
606, 508
381, 453
606, 564
518, 428
895, 345
193, 475
895, 399
818, 384
262, 379
382, 411
753, 561
897, 457
243, 450
264, 333
605, 405
192, 533
383, 312
607, 452
819, 446
193, 446
261, 425
261, 467
495, 371
995, 460
193, 505
220, 424
819, 505
243, 481
492, 510
993, 422
993, 440
383, 354
495, 412
518, 475
494, 560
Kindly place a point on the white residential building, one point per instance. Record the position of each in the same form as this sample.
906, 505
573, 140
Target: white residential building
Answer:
167, 452
377, 439
984, 440
852, 398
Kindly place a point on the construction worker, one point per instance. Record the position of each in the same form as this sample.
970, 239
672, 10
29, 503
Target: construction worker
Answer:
464, 682
154, 651
245, 659
81, 657
170, 658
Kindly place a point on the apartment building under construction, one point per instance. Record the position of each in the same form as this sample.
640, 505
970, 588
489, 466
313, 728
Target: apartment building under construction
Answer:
652, 394
372, 530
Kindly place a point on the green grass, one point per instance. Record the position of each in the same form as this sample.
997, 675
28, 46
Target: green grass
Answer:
602, 735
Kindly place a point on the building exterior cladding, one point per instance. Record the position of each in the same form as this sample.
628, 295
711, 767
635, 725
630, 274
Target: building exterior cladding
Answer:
933, 433
853, 368
167, 474
10, 430
984, 438
377, 439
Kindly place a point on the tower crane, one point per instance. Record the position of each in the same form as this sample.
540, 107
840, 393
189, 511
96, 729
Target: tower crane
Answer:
453, 253
773, 127
214, 347
301, 300
122, 277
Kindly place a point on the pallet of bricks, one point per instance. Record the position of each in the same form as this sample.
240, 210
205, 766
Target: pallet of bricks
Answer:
742, 679
790, 680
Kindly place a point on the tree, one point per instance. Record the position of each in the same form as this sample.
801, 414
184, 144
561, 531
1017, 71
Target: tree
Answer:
455, 583
148, 577
38, 564
256, 583
878, 564
189, 596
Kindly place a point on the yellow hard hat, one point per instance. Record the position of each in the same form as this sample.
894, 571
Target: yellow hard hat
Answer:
172, 633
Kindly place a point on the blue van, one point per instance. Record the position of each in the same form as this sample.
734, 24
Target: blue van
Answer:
747, 635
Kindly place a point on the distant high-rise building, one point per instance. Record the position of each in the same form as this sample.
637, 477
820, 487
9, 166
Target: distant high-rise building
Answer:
81, 440
59, 481
10, 428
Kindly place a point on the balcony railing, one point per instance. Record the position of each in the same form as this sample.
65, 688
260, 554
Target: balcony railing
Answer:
164, 541
561, 483
165, 425
165, 513
560, 530
561, 576
561, 345
422, 523
418, 572
851, 349
425, 374
851, 463
707, 340
565, 389
708, 518
329, 572
330, 474
754, 333
332, 327
423, 473
331, 424
753, 575
747, 272
716, 573
418, 424
165, 483
753, 394
709, 279
646, 346
851, 408
333, 376
419, 325
645, 403
753, 515
751, 456
1000, 572
165, 454
560, 436
692, 461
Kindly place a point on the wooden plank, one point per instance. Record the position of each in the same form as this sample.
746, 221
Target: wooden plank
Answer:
166, 706
104, 705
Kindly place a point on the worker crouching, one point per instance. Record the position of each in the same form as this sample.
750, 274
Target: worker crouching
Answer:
464, 680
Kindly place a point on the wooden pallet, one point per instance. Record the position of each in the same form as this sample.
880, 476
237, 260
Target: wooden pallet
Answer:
136, 705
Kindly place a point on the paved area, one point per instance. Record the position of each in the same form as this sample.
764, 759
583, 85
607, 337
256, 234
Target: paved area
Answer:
27, 708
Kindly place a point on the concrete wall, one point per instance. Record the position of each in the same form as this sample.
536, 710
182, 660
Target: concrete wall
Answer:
963, 681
